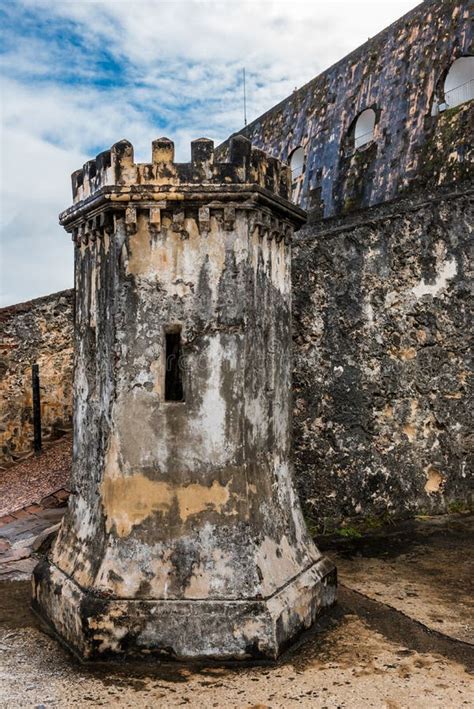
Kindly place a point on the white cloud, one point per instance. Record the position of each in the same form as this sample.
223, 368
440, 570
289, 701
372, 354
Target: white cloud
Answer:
92, 72
36, 253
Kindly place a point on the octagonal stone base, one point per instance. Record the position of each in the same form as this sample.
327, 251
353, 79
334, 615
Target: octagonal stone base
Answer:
95, 627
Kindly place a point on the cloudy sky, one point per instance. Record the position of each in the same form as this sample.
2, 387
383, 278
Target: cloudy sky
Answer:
78, 75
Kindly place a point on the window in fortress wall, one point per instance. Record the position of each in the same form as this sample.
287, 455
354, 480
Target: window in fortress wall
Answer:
297, 166
174, 390
459, 83
364, 128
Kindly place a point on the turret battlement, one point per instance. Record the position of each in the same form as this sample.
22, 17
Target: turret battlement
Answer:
116, 168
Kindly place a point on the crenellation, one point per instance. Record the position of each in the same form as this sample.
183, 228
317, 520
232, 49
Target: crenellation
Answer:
200, 256
115, 169
202, 151
162, 151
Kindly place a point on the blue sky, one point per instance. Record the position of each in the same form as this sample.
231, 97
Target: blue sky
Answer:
78, 75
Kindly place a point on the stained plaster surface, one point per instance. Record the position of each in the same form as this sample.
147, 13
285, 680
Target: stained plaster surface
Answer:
184, 534
389, 435
382, 384
39, 331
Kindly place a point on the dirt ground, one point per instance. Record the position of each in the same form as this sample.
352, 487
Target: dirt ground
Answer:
366, 652
345, 662
425, 569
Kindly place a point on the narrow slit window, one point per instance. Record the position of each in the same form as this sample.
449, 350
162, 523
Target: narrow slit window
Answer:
173, 376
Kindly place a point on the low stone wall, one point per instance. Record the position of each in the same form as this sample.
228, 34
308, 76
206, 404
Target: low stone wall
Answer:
38, 331
381, 324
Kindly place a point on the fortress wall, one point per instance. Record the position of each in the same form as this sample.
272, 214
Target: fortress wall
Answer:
397, 73
380, 318
381, 313
38, 331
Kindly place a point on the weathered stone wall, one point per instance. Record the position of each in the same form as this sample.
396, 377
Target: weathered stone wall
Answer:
38, 331
397, 73
381, 322
377, 363
159, 259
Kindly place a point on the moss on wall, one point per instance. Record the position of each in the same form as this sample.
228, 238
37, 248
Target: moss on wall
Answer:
397, 73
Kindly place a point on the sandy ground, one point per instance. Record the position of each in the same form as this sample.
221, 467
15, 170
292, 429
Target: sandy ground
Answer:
425, 569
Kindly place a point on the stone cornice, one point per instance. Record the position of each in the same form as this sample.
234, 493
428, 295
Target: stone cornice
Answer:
221, 196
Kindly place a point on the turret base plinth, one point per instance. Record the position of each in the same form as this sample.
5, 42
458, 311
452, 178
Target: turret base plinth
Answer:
95, 627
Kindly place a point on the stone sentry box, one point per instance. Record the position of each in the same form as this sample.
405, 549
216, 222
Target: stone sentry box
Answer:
184, 535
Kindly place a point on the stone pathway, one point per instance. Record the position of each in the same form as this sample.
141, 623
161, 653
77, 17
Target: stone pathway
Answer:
23, 531
33, 479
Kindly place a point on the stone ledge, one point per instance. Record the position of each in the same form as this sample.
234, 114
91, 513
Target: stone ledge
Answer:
108, 200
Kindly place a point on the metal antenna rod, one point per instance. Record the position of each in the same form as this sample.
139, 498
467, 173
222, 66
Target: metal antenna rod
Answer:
245, 99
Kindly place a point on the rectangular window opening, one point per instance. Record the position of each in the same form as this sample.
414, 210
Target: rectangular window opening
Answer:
173, 376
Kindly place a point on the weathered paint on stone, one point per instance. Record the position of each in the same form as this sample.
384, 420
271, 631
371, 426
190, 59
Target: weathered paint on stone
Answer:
381, 297
184, 534
398, 73
413, 157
